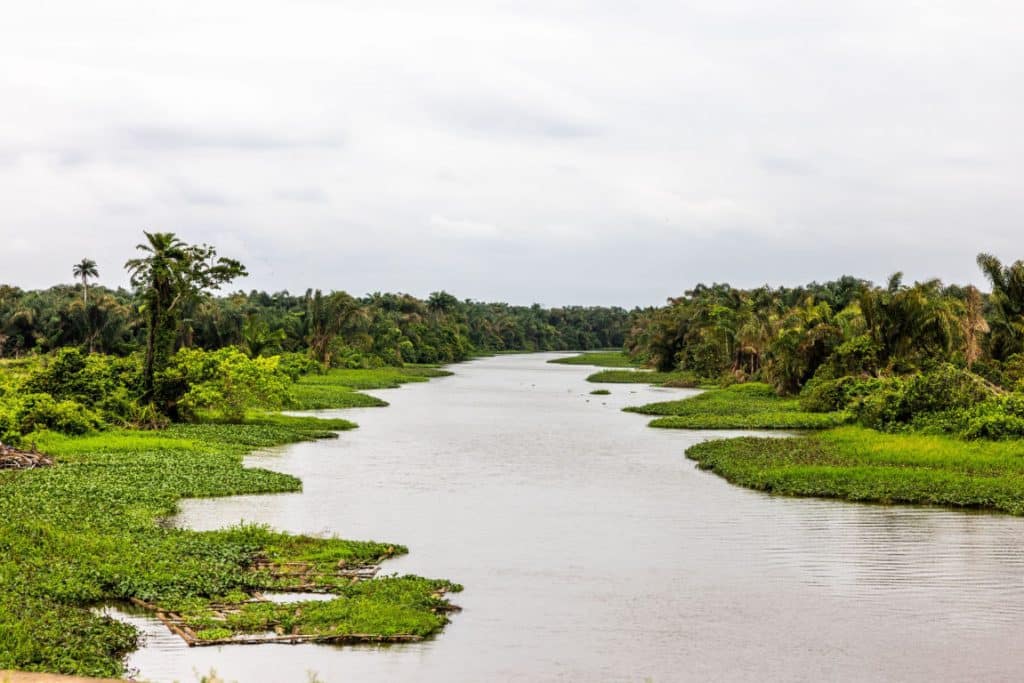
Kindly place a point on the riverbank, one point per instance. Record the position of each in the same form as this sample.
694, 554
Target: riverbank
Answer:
843, 462
740, 406
859, 464
87, 531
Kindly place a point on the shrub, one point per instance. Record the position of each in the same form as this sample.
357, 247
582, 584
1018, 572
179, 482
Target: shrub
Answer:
225, 381
827, 395
295, 365
936, 399
33, 412
998, 418
945, 388
883, 408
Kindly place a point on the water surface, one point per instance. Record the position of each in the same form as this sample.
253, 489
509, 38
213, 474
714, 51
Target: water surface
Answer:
592, 550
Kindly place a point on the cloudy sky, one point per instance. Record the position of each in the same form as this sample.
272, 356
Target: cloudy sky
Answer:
559, 152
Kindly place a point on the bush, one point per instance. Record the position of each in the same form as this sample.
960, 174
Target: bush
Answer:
33, 412
225, 381
295, 365
884, 408
945, 388
936, 399
106, 384
998, 418
828, 395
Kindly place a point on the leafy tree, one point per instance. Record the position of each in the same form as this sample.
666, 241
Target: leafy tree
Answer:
170, 275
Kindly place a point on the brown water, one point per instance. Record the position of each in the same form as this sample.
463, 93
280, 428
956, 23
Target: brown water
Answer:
592, 550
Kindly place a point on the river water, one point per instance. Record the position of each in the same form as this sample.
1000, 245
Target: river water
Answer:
592, 550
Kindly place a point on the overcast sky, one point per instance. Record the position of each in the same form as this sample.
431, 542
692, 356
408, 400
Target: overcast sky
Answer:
558, 152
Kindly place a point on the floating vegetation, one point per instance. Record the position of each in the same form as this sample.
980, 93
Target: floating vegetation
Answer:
741, 406
86, 531
858, 464
604, 359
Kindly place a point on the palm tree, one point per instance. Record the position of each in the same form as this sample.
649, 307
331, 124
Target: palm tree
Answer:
168, 276
83, 271
1007, 305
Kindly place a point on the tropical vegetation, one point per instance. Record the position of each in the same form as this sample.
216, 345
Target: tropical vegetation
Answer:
918, 389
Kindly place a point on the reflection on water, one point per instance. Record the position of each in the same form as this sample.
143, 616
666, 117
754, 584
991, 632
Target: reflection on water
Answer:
592, 550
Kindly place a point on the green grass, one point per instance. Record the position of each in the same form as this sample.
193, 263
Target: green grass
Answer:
407, 605
858, 464
604, 359
340, 388
741, 406
664, 379
86, 531
600, 392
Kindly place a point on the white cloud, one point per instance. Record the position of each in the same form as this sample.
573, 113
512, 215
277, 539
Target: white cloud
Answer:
559, 151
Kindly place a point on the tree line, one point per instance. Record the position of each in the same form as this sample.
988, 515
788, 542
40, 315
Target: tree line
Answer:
848, 327
172, 304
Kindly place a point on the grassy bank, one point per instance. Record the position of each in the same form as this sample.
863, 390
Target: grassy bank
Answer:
602, 359
854, 463
741, 406
662, 379
340, 388
86, 531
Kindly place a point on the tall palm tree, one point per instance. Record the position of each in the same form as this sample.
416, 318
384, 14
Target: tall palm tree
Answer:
84, 270
155, 275
1007, 305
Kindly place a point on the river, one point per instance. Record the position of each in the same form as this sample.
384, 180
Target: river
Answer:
592, 550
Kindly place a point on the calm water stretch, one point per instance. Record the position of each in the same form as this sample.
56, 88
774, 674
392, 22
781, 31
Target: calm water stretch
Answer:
592, 550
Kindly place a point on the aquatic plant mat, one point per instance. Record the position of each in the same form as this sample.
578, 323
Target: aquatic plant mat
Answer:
88, 531
260, 620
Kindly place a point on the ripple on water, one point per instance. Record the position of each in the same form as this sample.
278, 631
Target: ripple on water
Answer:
591, 549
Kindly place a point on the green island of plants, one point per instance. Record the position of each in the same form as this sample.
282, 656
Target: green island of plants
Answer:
740, 406
662, 379
602, 359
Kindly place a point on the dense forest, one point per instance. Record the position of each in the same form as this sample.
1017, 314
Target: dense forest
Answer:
895, 356
337, 328
83, 356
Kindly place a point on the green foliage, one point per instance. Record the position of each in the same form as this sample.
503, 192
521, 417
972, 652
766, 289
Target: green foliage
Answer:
857, 464
397, 605
741, 406
604, 359
845, 328
33, 412
673, 379
339, 388
86, 531
600, 392
295, 365
170, 275
226, 382
828, 395
943, 393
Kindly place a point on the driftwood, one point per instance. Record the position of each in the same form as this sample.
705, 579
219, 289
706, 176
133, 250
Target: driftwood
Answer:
14, 459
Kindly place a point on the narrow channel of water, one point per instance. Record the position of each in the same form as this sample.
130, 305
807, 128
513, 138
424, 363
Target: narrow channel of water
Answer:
592, 550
